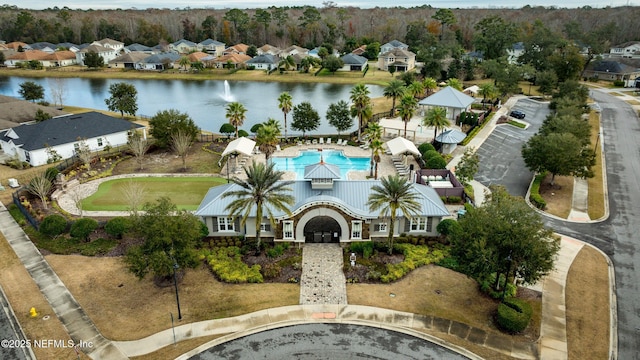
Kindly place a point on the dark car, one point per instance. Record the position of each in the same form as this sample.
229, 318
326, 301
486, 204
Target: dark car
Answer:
517, 114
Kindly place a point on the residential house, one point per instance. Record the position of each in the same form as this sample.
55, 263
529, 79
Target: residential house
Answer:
264, 62
615, 69
59, 59
326, 210
392, 45
629, 49
24, 56
159, 62
514, 53
475, 56
183, 46
403, 60
211, 46
114, 45
268, 49
353, 62
106, 53
139, 48
294, 50
16, 45
128, 60
360, 50
34, 142
43, 46
68, 46
230, 60
236, 49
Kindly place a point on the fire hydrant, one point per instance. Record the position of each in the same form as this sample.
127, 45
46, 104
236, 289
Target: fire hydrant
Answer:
33, 312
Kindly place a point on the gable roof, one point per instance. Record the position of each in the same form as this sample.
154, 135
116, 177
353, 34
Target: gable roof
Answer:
96, 48
161, 58
264, 59
28, 55
395, 44
66, 129
234, 58
211, 42
448, 97
197, 56
451, 136
397, 52
61, 55
138, 47
349, 195
321, 170
353, 59
132, 57
185, 42
107, 41
613, 66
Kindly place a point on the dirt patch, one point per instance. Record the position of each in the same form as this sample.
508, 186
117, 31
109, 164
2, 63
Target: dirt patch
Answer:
559, 196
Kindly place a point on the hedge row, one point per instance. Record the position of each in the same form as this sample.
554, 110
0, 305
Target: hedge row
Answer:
414, 257
226, 263
514, 315
534, 195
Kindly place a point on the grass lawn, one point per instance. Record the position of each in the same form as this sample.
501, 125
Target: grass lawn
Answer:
185, 192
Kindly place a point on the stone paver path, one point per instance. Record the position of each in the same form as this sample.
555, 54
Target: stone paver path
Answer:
322, 280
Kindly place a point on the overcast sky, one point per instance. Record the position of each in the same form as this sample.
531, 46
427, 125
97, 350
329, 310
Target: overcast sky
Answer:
249, 4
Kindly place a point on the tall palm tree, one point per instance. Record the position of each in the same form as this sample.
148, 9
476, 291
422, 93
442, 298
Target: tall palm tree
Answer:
429, 84
275, 123
377, 146
406, 110
487, 90
285, 103
360, 102
287, 63
184, 61
263, 191
373, 133
416, 88
394, 89
394, 193
436, 117
454, 83
267, 138
236, 113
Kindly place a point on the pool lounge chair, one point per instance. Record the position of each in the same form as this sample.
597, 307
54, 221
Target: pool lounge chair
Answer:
278, 148
321, 141
339, 142
365, 145
314, 142
329, 141
308, 142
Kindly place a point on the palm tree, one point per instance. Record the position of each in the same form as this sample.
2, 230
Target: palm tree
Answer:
394, 90
287, 63
285, 103
393, 194
267, 138
487, 90
309, 62
429, 84
436, 117
275, 123
184, 61
373, 132
407, 109
454, 83
236, 113
415, 88
262, 190
377, 148
360, 102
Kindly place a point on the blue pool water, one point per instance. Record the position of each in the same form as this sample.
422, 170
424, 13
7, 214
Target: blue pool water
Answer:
309, 157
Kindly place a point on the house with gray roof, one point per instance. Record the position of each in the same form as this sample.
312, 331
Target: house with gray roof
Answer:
159, 62
264, 62
326, 209
211, 46
35, 142
403, 60
128, 60
139, 48
615, 69
353, 62
393, 44
183, 46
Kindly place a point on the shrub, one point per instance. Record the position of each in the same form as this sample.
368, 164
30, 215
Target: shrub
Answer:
82, 228
271, 271
414, 257
486, 286
53, 225
424, 147
454, 200
430, 154
364, 248
618, 83
514, 315
448, 226
51, 173
118, 226
436, 162
277, 250
534, 195
227, 264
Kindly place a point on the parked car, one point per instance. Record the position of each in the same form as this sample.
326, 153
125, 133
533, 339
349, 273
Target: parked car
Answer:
517, 114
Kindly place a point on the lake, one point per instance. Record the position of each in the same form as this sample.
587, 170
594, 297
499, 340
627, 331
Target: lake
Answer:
201, 99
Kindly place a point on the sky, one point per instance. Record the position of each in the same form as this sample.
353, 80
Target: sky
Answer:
250, 4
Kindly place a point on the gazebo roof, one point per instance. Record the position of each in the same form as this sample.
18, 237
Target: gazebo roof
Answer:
448, 97
321, 170
240, 145
451, 136
401, 145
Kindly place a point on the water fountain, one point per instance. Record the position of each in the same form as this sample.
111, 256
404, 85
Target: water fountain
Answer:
227, 93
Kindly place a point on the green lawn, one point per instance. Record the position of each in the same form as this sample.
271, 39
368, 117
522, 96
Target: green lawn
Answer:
185, 192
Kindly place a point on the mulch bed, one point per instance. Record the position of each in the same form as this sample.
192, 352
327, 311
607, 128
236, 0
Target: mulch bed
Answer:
376, 263
290, 264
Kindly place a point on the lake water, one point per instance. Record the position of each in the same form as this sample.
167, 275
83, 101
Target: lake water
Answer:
201, 99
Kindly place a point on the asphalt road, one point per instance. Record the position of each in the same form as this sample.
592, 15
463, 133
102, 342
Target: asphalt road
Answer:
328, 342
13, 344
500, 156
617, 236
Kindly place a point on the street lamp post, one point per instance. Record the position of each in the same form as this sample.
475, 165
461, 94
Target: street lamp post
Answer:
175, 283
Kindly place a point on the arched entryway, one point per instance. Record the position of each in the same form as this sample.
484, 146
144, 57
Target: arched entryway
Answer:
322, 229
338, 224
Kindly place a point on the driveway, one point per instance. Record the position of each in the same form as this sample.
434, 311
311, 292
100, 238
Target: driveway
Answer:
500, 155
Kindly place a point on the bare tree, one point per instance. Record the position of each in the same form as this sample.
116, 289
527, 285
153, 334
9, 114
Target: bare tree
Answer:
181, 143
84, 153
133, 192
58, 91
138, 146
40, 186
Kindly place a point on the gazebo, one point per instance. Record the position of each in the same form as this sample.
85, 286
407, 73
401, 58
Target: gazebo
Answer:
449, 98
238, 146
449, 139
402, 146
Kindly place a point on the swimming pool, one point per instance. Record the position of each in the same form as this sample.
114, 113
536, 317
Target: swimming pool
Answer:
309, 157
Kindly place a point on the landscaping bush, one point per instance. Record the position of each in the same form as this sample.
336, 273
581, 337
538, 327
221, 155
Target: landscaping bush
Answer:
118, 226
82, 228
430, 154
226, 264
51, 173
53, 225
514, 315
424, 147
364, 248
486, 286
436, 162
534, 194
618, 83
448, 226
453, 200
271, 271
414, 257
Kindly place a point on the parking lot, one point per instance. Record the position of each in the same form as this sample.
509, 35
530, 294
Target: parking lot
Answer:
500, 155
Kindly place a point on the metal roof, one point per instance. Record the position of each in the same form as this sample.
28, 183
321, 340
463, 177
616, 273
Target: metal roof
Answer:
451, 136
448, 97
349, 195
321, 170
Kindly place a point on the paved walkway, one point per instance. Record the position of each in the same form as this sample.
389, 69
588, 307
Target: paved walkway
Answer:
322, 280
